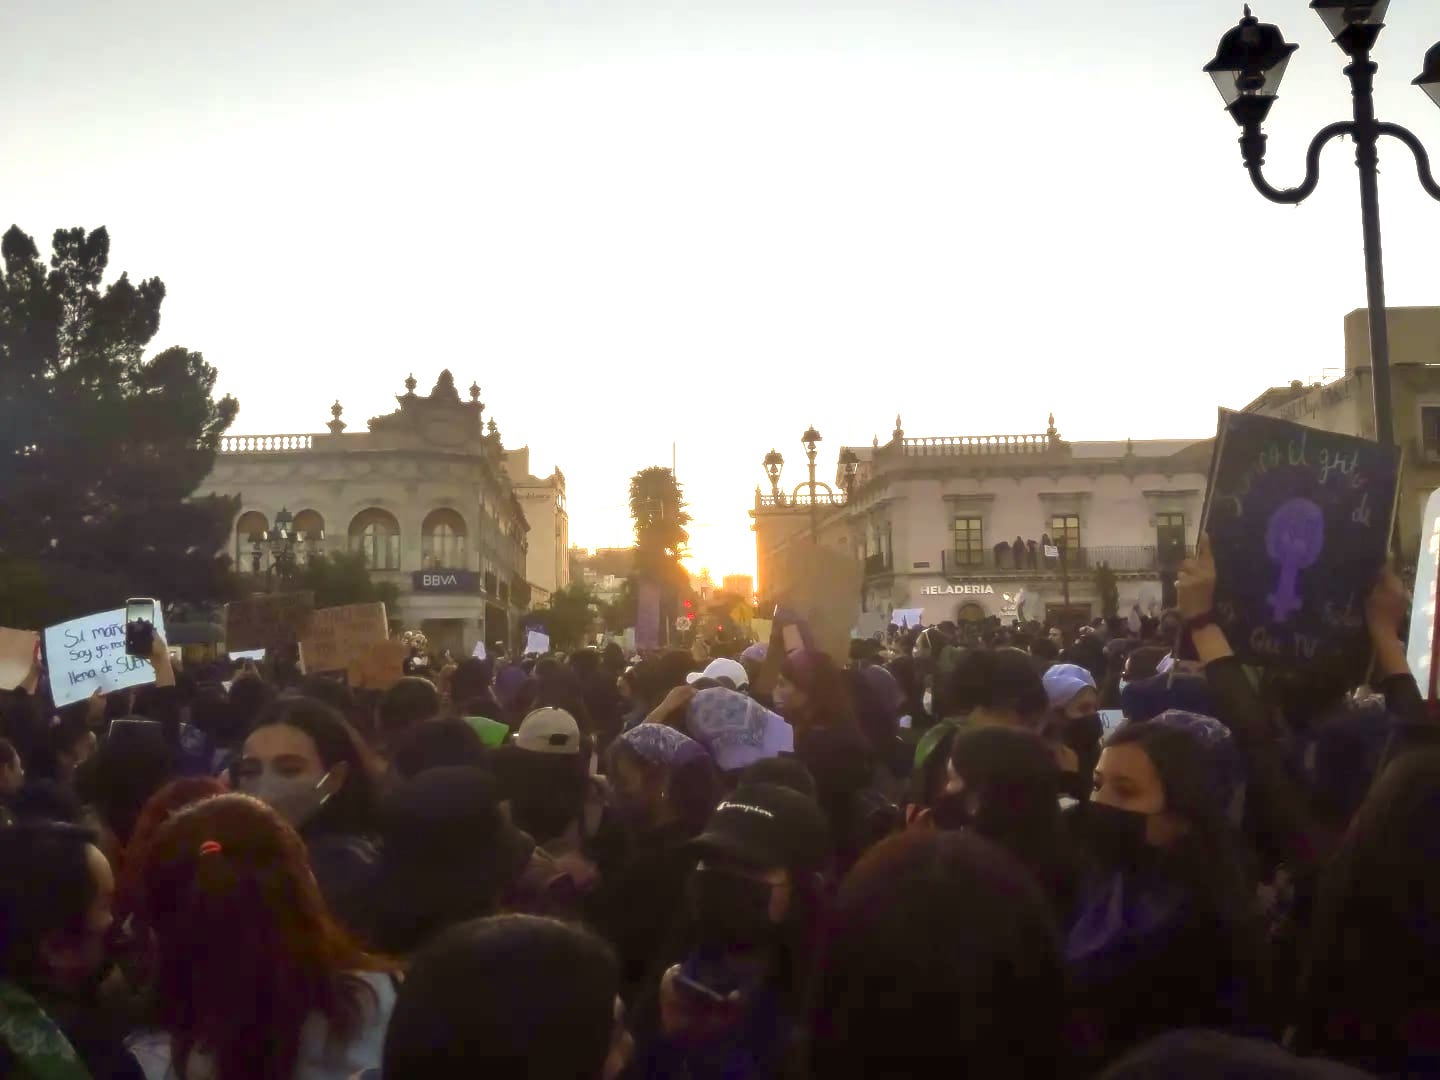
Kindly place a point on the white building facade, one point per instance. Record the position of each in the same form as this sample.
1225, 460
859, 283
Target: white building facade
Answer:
966, 527
423, 494
547, 565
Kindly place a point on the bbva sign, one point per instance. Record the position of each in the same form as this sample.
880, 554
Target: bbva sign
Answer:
443, 581
958, 590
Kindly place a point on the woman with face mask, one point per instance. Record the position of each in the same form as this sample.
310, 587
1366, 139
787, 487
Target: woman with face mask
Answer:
664, 785
1073, 719
303, 760
1164, 934
729, 1008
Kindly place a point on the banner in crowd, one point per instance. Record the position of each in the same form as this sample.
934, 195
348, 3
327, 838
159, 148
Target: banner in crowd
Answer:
337, 637
1299, 521
270, 622
1423, 609
88, 654
381, 667
17, 656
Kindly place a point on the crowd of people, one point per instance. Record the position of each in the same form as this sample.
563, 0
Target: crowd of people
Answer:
1028, 851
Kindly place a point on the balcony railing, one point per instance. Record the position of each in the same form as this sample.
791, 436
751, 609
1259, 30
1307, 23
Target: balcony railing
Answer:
1122, 560
970, 445
877, 564
822, 498
264, 444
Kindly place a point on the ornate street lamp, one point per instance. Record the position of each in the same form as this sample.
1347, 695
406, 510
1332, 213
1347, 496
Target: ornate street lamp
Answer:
1247, 70
849, 465
774, 462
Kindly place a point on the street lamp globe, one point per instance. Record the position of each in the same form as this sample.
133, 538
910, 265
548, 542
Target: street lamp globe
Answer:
810, 438
283, 521
1249, 63
1339, 15
1429, 79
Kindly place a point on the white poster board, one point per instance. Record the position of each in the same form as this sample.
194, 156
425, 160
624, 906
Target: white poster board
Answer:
907, 617
537, 643
479, 651
249, 654
1421, 647
17, 654
88, 654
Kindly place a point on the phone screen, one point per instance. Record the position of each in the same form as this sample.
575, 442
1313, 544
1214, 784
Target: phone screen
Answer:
137, 610
139, 639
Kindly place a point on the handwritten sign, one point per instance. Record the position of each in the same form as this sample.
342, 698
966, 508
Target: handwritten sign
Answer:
537, 643
337, 637
88, 654
17, 654
825, 593
382, 666
479, 651
267, 622
1299, 522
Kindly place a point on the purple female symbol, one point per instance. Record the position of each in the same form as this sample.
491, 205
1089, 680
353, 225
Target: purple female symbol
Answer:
1294, 539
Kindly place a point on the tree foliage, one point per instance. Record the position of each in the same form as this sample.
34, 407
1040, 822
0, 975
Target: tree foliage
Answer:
568, 617
101, 449
657, 505
341, 577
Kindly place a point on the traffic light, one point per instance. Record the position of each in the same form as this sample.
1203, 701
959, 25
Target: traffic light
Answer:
689, 611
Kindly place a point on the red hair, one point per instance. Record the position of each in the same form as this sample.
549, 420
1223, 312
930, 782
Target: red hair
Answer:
157, 810
246, 950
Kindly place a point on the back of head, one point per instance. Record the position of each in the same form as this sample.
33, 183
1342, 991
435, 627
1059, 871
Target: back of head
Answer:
134, 762
472, 679
249, 698
511, 996
409, 702
999, 681
788, 772
436, 743
45, 890
332, 692
241, 931
941, 952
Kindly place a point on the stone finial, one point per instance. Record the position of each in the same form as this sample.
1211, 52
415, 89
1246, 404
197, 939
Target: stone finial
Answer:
875, 442
475, 392
1050, 431
410, 385
337, 425
494, 431
899, 428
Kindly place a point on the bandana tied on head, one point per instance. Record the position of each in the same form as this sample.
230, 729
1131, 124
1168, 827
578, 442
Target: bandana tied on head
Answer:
1064, 681
661, 745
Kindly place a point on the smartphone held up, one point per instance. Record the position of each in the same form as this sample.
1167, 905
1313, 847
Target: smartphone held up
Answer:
139, 626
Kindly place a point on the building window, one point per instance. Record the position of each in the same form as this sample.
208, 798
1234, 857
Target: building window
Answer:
1170, 539
1065, 531
376, 535
969, 541
1430, 432
442, 541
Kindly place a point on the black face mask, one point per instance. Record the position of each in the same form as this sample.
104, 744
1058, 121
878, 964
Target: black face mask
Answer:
730, 909
1115, 837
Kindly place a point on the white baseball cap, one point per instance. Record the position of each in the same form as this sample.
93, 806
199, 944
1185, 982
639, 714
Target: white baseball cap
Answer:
723, 668
549, 731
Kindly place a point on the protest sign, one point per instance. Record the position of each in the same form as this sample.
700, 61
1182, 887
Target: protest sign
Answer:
17, 655
249, 654
337, 637
825, 593
1299, 521
267, 622
381, 667
479, 651
537, 643
88, 654
1423, 609
907, 617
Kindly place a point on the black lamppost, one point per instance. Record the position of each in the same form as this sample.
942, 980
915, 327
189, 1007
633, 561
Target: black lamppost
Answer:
810, 439
849, 466
774, 462
280, 543
1247, 69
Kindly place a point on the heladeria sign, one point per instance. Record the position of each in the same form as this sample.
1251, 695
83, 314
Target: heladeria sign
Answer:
958, 590
445, 581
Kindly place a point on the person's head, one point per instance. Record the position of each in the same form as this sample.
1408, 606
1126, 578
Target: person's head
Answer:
940, 957
448, 854
1044, 649
659, 775
158, 809
512, 997
66, 746
333, 692
55, 905
1056, 637
245, 949
409, 702
12, 770
1142, 663
759, 856
812, 692
545, 773
472, 679
135, 762
995, 686
725, 672
1071, 692
788, 772
435, 743
48, 800
250, 697
1171, 623
303, 760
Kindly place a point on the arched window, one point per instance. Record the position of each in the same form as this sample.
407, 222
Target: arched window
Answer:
250, 530
376, 534
309, 529
442, 541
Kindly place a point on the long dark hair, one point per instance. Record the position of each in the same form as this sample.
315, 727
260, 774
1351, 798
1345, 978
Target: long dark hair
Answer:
354, 808
828, 700
246, 951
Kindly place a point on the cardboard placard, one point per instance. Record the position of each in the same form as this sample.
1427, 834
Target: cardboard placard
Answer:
382, 666
337, 637
1299, 521
267, 622
88, 654
1422, 640
825, 593
17, 655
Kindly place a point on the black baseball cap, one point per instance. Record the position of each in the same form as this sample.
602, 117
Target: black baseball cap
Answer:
765, 826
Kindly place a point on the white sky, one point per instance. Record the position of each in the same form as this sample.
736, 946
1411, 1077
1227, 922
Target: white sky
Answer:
713, 221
